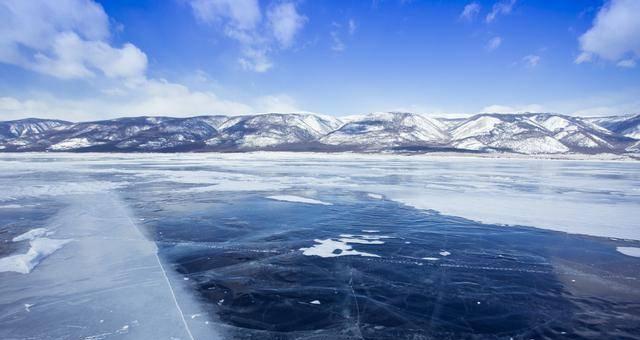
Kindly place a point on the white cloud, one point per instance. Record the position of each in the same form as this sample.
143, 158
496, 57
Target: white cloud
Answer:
470, 11
142, 97
615, 34
241, 14
628, 63
243, 21
531, 60
64, 39
352, 27
285, 22
336, 42
503, 109
494, 43
500, 8
69, 39
276, 103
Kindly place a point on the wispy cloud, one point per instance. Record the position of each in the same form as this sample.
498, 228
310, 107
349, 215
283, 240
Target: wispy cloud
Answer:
258, 34
614, 36
531, 60
494, 43
500, 8
352, 27
470, 11
338, 31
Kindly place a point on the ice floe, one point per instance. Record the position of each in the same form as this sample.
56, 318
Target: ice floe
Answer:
297, 199
375, 196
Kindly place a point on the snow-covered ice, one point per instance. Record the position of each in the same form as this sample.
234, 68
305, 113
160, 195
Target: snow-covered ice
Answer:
39, 249
630, 251
297, 199
335, 248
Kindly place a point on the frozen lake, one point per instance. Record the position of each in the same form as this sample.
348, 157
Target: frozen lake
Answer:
316, 246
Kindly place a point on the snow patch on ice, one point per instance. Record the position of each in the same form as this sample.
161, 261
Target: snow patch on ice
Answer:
30, 235
297, 199
629, 251
334, 248
24, 263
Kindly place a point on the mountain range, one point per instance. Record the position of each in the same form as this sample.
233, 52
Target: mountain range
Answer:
529, 133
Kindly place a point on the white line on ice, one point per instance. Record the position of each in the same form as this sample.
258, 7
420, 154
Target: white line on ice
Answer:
166, 277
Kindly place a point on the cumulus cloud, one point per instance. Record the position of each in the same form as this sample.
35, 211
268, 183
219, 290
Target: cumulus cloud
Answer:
531, 60
258, 34
494, 43
64, 39
614, 36
70, 39
470, 11
142, 97
500, 8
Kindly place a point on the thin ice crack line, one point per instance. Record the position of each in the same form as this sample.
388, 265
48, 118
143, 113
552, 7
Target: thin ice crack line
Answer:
166, 277
355, 298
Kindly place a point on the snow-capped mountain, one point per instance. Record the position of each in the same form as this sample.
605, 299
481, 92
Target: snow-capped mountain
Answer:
388, 129
272, 130
539, 133
531, 133
628, 126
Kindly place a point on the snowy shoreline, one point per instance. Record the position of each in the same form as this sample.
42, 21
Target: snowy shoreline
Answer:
605, 157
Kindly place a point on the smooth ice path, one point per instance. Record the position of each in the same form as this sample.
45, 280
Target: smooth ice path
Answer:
108, 282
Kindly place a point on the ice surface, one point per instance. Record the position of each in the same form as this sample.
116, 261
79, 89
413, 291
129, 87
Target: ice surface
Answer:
24, 263
630, 251
584, 197
30, 235
297, 199
373, 261
336, 247
108, 281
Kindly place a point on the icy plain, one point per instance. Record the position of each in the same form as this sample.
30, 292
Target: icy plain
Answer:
135, 239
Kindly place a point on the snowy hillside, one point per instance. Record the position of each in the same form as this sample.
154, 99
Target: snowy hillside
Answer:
531, 133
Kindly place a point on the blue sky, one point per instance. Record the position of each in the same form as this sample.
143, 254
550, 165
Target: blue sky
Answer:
86, 59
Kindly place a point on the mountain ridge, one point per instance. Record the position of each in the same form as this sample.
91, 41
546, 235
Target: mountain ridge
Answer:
524, 133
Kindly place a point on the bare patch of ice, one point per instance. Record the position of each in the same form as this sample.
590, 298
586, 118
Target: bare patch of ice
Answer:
297, 199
